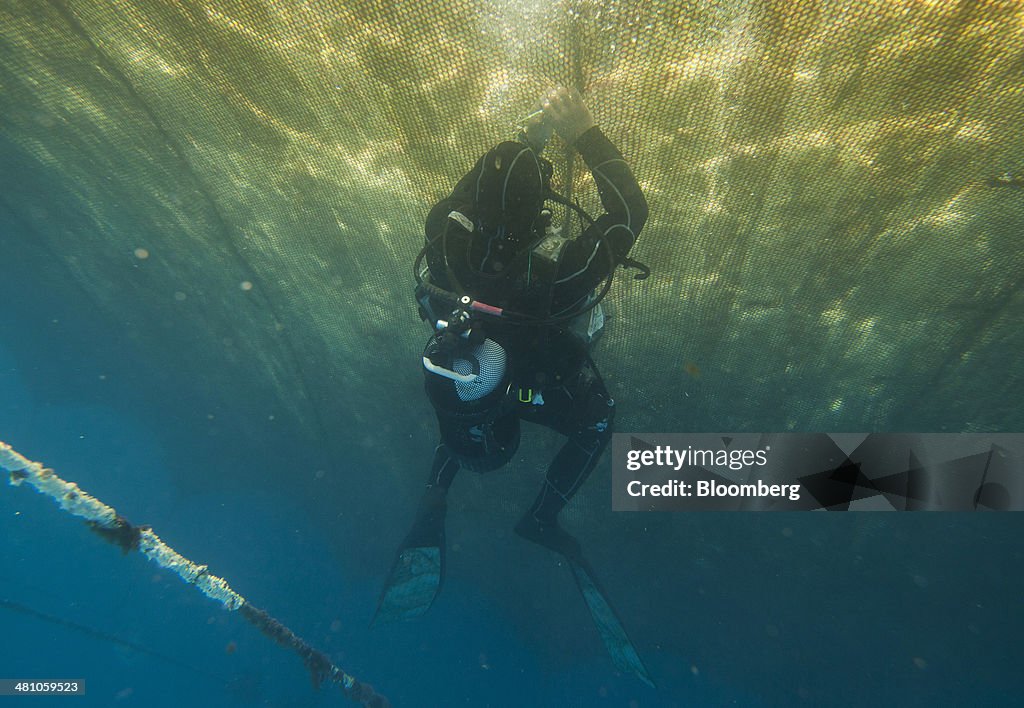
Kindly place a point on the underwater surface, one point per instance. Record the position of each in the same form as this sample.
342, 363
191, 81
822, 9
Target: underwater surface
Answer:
725, 609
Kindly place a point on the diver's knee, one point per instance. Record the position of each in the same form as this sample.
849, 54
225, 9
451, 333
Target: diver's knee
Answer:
601, 410
481, 446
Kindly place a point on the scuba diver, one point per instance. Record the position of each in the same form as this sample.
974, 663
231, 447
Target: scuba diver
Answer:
514, 304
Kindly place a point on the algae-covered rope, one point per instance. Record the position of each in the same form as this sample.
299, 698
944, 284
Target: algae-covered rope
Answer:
108, 523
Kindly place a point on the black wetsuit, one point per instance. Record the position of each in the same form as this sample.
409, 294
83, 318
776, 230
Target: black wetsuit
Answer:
557, 385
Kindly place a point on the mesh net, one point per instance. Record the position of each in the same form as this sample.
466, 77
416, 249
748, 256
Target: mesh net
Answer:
835, 224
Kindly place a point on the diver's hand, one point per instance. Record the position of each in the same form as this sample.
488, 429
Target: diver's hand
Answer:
536, 130
567, 113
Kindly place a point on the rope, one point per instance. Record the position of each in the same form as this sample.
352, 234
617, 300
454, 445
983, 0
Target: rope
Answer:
105, 521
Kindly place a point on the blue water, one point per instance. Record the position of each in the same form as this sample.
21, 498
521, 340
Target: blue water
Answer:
743, 609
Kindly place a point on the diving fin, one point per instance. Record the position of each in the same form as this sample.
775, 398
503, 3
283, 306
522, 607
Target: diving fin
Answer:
613, 634
412, 584
616, 641
415, 577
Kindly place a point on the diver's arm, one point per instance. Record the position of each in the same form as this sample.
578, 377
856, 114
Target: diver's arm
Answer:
439, 224
460, 198
585, 262
623, 201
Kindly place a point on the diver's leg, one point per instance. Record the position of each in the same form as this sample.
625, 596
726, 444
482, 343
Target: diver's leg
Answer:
584, 412
566, 474
428, 527
416, 575
442, 471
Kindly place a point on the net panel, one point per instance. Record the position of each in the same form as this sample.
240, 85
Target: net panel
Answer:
835, 212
